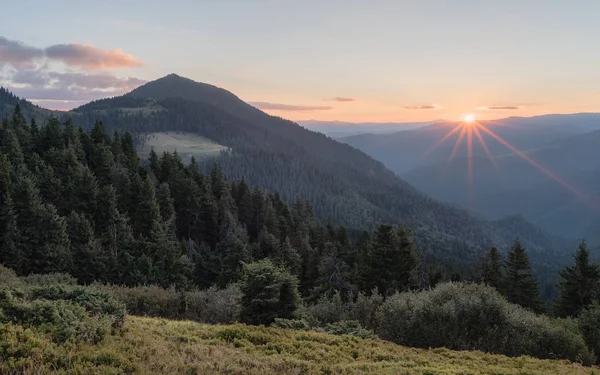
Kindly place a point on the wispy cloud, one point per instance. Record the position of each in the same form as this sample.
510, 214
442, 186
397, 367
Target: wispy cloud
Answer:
84, 56
340, 99
89, 57
18, 54
64, 75
423, 106
42, 85
288, 107
499, 108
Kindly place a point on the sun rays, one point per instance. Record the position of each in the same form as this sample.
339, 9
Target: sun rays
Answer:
470, 128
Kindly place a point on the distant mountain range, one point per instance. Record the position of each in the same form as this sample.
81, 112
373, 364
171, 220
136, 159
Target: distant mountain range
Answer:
557, 189
342, 183
338, 129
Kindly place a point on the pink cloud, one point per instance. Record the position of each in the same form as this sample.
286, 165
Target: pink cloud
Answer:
89, 57
288, 107
422, 106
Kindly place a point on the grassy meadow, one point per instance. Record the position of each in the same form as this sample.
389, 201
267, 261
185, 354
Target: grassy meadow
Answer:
160, 346
186, 145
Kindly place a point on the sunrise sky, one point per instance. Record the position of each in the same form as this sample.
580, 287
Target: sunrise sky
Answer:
328, 60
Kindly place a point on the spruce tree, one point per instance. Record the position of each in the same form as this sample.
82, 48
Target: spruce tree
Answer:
392, 261
493, 274
10, 252
88, 265
146, 221
521, 285
268, 292
578, 287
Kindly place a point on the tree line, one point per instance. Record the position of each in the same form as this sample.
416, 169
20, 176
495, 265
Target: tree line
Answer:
82, 202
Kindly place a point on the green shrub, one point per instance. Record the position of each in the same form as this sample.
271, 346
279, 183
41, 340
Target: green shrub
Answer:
62, 320
94, 302
296, 324
475, 317
9, 277
334, 309
349, 327
62, 312
50, 279
589, 325
213, 305
268, 292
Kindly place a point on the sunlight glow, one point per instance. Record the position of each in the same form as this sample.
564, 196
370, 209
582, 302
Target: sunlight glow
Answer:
469, 129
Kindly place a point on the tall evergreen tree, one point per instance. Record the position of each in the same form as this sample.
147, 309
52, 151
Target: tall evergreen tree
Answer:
521, 285
578, 287
392, 261
493, 274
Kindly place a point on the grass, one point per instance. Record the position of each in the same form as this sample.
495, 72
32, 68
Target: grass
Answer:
186, 144
159, 346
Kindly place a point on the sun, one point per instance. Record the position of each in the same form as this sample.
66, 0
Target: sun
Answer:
468, 118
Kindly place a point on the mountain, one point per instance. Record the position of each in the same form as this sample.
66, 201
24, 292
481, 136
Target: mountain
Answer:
406, 150
342, 183
560, 193
339, 129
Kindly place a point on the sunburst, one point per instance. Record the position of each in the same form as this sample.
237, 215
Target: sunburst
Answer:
470, 128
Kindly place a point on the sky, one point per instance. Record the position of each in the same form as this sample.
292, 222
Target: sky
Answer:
345, 60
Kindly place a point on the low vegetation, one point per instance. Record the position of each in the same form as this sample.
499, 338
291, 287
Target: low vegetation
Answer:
158, 346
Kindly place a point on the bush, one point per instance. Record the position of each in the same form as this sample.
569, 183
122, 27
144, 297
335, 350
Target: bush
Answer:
213, 305
64, 317
334, 309
349, 327
475, 317
296, 324
50, 279
268, 292
589, 325
95, 303
9, 277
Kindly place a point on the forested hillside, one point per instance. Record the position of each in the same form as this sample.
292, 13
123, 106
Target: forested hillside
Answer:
342, 184
165, 239
83, 204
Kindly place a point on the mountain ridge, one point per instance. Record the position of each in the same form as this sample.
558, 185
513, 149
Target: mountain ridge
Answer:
342, 183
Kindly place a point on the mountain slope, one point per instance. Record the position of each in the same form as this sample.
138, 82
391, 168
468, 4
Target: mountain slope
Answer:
516, 186
342, 183
407, 150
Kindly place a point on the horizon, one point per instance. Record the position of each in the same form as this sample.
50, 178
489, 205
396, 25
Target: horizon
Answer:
408, 62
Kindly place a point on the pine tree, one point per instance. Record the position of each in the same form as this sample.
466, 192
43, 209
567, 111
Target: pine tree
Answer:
579, 284
146, 221
88, 265
493, 274
288, 257
10, 253
167, 209
268, 292
521, 286
233, 250
392, 261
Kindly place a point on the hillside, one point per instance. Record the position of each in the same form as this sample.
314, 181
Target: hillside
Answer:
515, 186
342, 183
410, 149
159, 346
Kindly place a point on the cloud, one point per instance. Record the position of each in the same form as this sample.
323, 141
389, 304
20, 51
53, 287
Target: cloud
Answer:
288, 107
64, 75
21, 56
48, 87
422, 106
499, 108
89, 57
18, 54
340, 99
